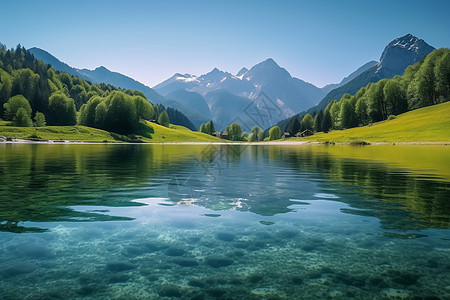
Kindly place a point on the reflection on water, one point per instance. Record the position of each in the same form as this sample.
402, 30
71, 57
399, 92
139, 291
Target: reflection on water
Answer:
231, 222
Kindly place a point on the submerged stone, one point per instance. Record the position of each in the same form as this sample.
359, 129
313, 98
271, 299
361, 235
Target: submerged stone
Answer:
37, 251
406, 279
235, 281
398, 294
90, 289
19, 269
226, 237
309, 248
119, 266
132, 251
169, 291
376, 281
335, 294
116, 278
155, 246
175, 251
194, 239
216, 292
212, 215
255, 278
266, 222
297, 280
196, 283
349, 280
88, 278
198, 296
218, 262
186, 262
288, 233
242, 244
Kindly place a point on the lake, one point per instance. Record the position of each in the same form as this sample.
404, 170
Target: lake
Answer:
224, 222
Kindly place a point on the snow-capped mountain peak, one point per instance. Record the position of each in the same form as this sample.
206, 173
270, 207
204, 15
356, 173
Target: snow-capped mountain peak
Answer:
185, 77
241, 73
402, 52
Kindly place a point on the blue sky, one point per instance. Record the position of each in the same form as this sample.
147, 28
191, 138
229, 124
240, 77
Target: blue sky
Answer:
318, 41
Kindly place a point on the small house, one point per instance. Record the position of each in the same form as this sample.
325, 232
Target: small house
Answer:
224, 135
305, 133
287, 135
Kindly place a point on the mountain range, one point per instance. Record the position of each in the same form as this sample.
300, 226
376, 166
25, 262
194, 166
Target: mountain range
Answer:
218, 89
396, 57
100, 74
224, 97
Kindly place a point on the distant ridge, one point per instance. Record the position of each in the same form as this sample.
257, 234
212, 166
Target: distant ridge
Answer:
396, 57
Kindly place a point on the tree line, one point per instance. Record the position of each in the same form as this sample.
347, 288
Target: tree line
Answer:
422, 84
31, 91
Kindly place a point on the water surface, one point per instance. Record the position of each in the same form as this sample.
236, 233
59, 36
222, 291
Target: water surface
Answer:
224, 222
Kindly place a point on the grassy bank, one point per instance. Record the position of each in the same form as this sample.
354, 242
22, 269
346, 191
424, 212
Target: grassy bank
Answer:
428, 124
149, 132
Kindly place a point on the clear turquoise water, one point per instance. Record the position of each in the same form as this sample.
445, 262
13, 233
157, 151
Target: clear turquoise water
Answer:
219, 222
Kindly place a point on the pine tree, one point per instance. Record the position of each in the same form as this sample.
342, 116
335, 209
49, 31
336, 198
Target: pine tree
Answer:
163, 119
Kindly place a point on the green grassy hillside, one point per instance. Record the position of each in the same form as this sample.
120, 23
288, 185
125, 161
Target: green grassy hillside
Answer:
176, 134
149, 132
428, 124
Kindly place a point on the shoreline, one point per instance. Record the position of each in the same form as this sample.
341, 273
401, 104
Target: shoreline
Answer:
269, 143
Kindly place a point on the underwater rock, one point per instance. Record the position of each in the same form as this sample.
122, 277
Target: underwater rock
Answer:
297, 280
37, 251
255, 278
226, 237
165, 267
265, 293
119, 266
397, 294
266, 223
377, 281
288, 233
155, 246
169, 291
335, 294
235, 281
216, 292
186, 262
87, 278
90, 289
242, 244
258, 244
19, 269
172, 251
309, 248
212, 215
237, 254
132, 251
86, 290
194, 239
405, 278
198, 296
196, 283
318, 273
349, 280
117, 278
218, 262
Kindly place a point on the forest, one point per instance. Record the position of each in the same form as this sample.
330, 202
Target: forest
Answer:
35, 94
422, 84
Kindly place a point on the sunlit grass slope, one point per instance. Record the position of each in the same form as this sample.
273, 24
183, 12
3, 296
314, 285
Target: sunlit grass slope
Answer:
175, 134
68, 133
149, 132
429, 124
